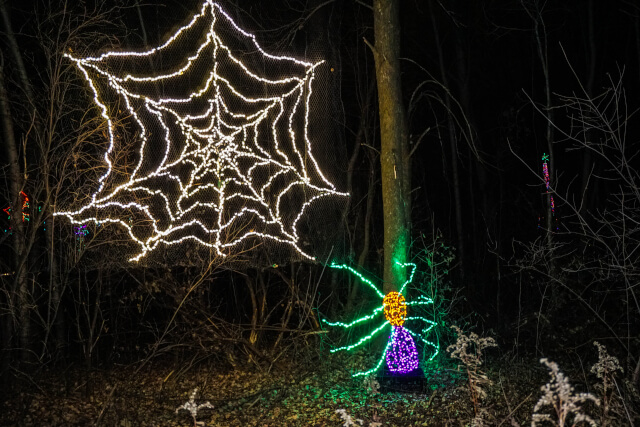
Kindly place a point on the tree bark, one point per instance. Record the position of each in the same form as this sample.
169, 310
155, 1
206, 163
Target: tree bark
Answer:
15, 51
540, 35
453, 149
19, 291
394, 152
362, 137
587, 161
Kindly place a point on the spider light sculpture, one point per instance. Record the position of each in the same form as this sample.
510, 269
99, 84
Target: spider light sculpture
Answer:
400, 353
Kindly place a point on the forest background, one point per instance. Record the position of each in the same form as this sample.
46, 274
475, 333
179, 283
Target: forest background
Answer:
489, 89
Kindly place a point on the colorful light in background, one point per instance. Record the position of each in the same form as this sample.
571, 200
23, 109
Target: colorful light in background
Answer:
547, 184
547, 180
25, 206
81, 232
26, 217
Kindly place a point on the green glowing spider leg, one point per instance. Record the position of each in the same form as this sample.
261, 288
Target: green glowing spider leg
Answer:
375, 368
360, 276
436, 347
421, 301
431, 323
362, 319
362, 340
410, 279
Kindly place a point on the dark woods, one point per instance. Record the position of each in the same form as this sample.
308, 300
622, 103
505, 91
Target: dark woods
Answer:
488, 89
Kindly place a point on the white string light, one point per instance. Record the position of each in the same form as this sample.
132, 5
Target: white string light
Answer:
211, 154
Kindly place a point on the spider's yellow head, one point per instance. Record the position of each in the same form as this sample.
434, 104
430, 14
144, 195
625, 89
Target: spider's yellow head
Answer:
395, 308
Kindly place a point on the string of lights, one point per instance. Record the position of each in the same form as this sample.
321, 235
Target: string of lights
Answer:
25, 208
403, 357
204, 155
547, 181
81, 232
26, 216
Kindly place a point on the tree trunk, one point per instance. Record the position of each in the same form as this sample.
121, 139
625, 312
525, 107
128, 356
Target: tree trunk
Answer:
587, 161
394, 152
15, 51
453, 149
362, 137
19, 292
540, 34
253, 337
9, 148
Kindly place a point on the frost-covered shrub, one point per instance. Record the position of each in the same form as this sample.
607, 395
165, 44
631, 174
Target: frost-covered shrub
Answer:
192, 407
605, 369
469, 349
559, 404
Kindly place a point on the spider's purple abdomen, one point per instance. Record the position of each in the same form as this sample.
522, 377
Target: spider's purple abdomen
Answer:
402, 355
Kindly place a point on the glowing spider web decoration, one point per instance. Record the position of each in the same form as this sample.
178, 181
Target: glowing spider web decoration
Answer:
400, 352
225, 155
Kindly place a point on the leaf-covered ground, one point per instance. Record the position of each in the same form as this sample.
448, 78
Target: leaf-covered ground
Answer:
296, 393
